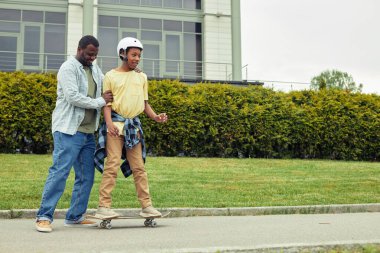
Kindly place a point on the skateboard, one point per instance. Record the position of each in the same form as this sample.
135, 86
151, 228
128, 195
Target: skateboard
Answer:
149, 222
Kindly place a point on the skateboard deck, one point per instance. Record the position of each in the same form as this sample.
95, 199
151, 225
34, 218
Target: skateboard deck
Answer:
149, 221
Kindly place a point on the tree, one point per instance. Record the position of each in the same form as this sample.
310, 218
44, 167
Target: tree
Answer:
335, 79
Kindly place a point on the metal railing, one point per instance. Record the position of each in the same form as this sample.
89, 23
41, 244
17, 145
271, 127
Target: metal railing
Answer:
154, 68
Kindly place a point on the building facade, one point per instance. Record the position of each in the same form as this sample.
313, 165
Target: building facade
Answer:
184, 39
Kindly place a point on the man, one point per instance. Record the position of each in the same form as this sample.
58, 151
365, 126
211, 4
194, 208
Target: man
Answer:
74, 121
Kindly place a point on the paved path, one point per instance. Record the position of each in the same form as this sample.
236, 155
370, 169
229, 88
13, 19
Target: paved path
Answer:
195, 234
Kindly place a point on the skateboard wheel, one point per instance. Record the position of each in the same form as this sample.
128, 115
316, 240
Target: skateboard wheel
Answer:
147, 223
103, 224
109, 226
153, 223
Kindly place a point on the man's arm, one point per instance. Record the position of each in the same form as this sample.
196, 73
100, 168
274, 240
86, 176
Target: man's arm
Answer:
69, 83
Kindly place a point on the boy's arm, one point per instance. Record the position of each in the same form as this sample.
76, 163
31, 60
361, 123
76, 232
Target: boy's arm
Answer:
112, 130
162, 117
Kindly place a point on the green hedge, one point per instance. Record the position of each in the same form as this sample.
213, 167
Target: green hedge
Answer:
214, 120
27, 101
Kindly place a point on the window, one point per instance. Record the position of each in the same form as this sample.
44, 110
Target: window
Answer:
173, 4
8, 48
176, 4
129, 22
33, 16
172, 48
54, 45
10, 15
172, 25
37, 37
32, 46
157, 3
151, 24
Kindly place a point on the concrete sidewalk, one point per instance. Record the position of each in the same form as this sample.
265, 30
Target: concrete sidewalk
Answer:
266, 233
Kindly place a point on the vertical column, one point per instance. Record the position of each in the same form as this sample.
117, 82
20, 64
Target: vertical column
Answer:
74, 25
88, 17
236, 40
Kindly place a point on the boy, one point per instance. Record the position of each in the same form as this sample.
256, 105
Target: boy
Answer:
124, 132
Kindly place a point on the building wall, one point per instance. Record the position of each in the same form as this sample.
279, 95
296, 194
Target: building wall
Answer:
220, 59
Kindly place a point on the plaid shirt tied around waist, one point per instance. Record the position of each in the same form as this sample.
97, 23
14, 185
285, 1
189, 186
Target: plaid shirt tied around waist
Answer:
131, 128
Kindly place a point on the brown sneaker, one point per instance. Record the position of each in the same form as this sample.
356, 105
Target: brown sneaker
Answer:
44, 226
83, 223
150, 212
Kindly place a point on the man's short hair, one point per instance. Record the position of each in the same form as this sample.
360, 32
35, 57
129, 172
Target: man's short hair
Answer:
88, 40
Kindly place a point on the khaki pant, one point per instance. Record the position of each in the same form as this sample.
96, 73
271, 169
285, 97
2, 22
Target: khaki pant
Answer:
114, 147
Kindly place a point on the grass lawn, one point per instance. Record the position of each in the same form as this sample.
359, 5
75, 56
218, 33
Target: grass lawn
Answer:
207, 182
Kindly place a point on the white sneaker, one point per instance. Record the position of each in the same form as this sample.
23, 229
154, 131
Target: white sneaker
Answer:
150, 212
106, 213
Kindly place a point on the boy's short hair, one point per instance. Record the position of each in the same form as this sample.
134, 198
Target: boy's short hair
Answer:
88, 40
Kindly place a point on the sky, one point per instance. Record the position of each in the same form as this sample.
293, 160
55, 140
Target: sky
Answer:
294, 40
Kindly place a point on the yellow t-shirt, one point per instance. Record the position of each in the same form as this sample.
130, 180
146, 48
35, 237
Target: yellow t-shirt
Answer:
130, 90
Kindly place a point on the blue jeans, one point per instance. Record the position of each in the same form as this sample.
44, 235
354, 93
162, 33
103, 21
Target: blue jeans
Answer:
69, 151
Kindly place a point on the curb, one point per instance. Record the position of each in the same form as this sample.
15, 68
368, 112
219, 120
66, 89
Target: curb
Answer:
238, 211
294, 248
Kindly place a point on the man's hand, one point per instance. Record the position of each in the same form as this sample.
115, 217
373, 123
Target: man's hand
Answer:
108, 97
162, 117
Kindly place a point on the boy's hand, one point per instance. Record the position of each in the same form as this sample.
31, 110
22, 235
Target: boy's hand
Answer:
162, 117
112, 130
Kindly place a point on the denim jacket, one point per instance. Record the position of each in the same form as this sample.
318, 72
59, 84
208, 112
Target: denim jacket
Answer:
72, 99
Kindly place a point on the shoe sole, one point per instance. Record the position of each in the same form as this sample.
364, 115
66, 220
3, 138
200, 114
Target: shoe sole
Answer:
79, 225
150, 216
103, 217
44, 230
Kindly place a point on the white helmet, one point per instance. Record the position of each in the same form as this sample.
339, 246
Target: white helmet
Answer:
127, 42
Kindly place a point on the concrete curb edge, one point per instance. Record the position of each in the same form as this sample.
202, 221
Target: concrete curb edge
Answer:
238, 211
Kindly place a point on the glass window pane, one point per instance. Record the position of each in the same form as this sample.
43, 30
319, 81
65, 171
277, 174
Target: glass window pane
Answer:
152, 2
149, 35
129, 22
8, 43
8, 59
151, 60
53, 62
193, 45
172, 53
130, 2
151, 24
55, 39
192, 4
10, 15
129, 34
172, 25
32, 46
192, 27
32, 39
173, 3
9, 27
55, 17
108, 1
33, 16
108, 58
109, 21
